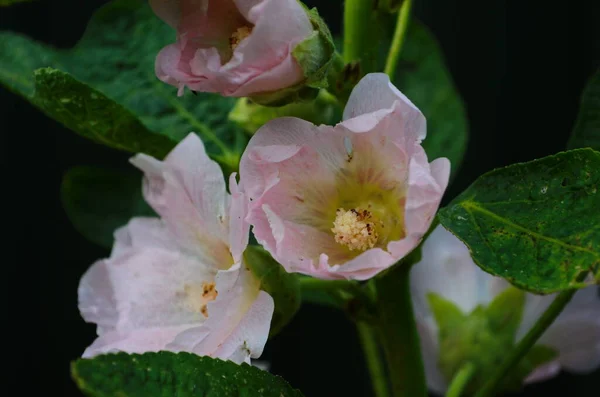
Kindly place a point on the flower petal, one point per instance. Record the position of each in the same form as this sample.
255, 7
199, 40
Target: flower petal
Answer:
262, 62
374, 93
187, 190
447, 269
293, 173
238, 320
239, 229
142, 287
137, 341
575, 334
423, 198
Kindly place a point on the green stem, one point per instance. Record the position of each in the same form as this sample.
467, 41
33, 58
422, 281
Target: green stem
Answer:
558, 304
461, 379
362, 31
399, 334
368, 341
335, 287
398, 40
316, 283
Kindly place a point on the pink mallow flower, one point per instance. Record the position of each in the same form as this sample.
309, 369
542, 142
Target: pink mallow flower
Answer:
178, 283
346, 201
233, 47
448, 270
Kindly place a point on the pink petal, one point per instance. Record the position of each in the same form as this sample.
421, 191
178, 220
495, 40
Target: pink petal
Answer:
422, 199
97, 302
238, 320
262, 62
167, 67
239, 228
141, 287
140, 298
187, 190
543, 373
446, 269
209, 22
575, 334
375, 93
141, 233
292, 170
137, 341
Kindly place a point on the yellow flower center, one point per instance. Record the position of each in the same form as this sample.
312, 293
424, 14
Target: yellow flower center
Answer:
355, 229
199, 296
239, 35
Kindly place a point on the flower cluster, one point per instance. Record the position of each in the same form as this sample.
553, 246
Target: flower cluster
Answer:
344, 201
335, 202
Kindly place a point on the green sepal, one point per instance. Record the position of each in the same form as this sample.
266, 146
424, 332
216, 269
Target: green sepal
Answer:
315, 55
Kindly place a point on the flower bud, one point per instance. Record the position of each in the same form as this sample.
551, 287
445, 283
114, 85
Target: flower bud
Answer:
275, 51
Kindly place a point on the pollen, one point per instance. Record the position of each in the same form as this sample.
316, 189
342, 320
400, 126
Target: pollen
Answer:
355, 229
239, 35
198, 296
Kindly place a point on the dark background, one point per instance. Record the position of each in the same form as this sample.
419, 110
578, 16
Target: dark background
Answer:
519, 67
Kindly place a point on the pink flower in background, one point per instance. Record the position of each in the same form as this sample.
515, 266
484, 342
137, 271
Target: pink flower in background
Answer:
447, 269
233, 47
177, 283
346, 201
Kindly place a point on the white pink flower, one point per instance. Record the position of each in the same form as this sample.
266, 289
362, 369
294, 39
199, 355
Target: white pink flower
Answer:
346, 201
233, 47
447, 269
179, 283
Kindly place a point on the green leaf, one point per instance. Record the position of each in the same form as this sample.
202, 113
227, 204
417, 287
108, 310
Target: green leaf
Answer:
505, 312
98, 201
90, 113
283, 287
116, 57
447, 315
536, 224
586, 132
423, 77
167, 374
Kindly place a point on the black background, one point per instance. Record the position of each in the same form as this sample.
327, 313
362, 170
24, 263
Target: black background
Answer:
519, 67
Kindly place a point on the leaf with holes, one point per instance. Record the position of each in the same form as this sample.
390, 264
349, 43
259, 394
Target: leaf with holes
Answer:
586, 132
536, 224
98, 201
174, 374
115, 58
